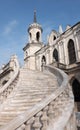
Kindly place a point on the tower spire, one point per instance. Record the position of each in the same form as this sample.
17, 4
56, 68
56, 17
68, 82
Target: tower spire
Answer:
35, 20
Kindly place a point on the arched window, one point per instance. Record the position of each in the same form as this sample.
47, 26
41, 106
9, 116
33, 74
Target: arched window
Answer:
44, 59
54, 37
37, 36
71, 52
55, 55
26, 53
30, 35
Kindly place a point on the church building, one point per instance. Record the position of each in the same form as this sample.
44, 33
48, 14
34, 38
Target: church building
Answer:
39, 95
62, 50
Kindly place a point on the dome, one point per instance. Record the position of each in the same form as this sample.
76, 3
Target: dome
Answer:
35, 25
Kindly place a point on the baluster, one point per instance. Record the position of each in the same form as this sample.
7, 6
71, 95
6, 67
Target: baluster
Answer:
55, 108
23, 127
62, 97
60, 107
4, 94
44, 118
50, 111
66, 93
12, 86
9, 90
29, 123
65, 98
37, 122
1, 98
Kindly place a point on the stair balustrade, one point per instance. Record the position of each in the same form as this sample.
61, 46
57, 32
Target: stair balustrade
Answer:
9, 86
53, 113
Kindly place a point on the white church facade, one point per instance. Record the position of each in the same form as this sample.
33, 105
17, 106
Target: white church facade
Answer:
62, 50
62, 47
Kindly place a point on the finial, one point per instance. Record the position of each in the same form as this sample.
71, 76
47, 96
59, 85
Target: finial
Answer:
35, 20
68, 27
60, 29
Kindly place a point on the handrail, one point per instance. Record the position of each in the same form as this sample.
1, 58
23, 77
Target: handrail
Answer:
59, 65
43, 111
5, 90
5, 67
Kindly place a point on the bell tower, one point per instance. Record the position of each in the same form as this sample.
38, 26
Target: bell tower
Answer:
35, 31
34, 43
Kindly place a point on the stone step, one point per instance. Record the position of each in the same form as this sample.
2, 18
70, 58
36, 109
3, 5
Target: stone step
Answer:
28, 104
34, 90
31, 88
25, 100
14, 110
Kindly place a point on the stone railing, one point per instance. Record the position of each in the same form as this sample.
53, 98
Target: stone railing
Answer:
8, 87
5, 70
59, 65
56, 112
5, 67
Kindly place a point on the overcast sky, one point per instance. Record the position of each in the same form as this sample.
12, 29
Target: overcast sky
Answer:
16, 15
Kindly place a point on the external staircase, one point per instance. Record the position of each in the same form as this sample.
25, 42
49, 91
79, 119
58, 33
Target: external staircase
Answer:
31, 87
33, 100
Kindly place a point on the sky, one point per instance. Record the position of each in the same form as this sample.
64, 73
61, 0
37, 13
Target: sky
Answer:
17, 15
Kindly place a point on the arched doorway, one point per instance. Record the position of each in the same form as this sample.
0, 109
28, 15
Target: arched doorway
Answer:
76, 92
43, 62
71, 52
55, 55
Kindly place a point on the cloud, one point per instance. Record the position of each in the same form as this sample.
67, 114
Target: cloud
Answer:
9, 27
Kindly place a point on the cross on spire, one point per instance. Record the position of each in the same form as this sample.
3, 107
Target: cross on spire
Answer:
35, 20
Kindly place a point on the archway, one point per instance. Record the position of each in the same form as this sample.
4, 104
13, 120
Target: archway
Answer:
55, 55
54, 37
76, 92
71, 52
43, 62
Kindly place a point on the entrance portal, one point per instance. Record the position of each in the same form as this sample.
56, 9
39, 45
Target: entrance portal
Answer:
76, 92
43, 62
